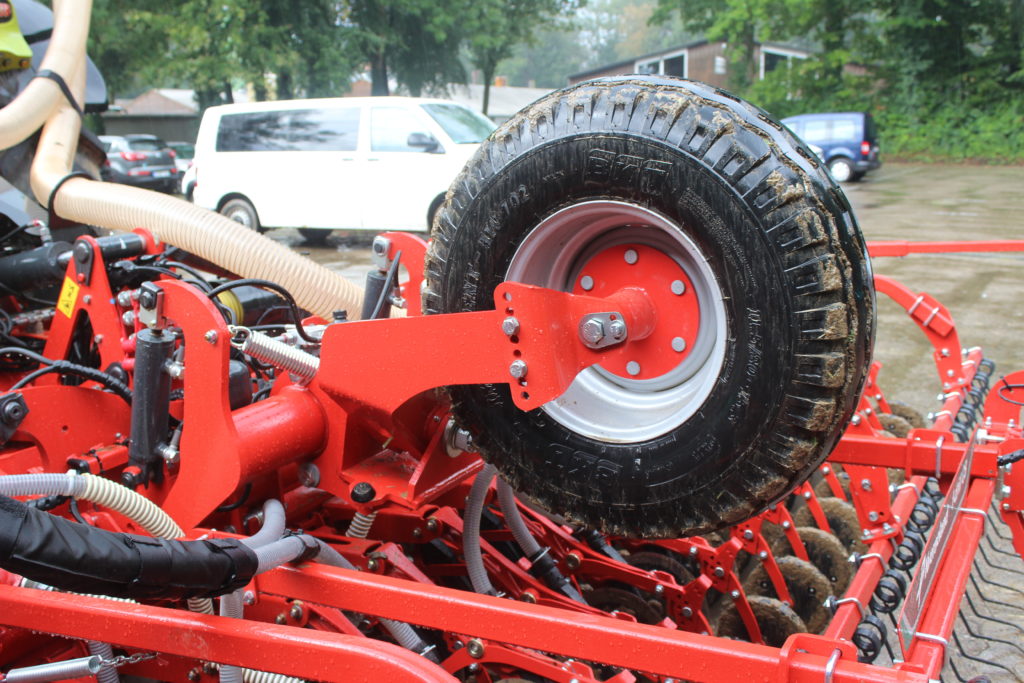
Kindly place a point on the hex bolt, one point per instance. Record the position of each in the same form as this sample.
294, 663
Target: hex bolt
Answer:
124, 298
14, 412
873, 516
826, 469
147, 299
363, 492
855, 420
687, 612
786, 524
719, 572
763, 554
678, 344
87, 299
309, 475
865, 484
518, 369
591, 331
807, 495
748, 534
659, 589
678, 287
510, 326
617, 329
475, 648
586, 283
373, 564
210, 336
281, 618
296, 611
694, 550
433, 525
735, 594
248, 598
128, 318
633, 368
631, 256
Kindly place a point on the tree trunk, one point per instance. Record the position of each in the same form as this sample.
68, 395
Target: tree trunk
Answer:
229, 97
488, 68
259, 89
379, 75
285, 85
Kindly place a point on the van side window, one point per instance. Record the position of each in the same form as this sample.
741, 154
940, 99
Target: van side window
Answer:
816, 131
844, 129
390, 128
298, 130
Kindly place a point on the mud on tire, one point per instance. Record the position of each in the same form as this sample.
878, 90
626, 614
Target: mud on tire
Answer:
776, 261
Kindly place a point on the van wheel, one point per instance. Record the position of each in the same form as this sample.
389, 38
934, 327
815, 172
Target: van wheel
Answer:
242, 211
315, 236
768, 318
842, 169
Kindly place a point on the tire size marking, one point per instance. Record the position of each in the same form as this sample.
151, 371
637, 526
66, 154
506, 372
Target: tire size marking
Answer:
594, 472
648, 174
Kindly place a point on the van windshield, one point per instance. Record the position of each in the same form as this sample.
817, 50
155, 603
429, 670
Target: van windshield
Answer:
463, 125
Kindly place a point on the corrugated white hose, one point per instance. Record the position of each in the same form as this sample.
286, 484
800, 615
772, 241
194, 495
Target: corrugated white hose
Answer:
471, 531
273, 525
29, 110
108, 494
206, 234
231, 607
402, 632
514, 520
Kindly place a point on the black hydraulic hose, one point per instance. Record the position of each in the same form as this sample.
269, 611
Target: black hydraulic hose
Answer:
83, 559
68, 368
273, 286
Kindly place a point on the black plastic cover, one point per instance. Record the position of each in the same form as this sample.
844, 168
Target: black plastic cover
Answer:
84, 559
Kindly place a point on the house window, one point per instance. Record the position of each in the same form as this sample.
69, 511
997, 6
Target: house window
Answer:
669, 65
774, 58
721, 64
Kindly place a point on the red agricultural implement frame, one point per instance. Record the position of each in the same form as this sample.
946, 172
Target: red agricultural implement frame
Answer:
351, 408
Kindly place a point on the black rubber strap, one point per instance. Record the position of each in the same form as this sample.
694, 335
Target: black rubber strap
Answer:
62, 84
60, 184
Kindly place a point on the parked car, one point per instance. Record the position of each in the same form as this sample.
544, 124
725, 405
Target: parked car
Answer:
848, 141
351, 163
183, 154
140, 160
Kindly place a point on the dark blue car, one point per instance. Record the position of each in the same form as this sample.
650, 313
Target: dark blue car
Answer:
848, 141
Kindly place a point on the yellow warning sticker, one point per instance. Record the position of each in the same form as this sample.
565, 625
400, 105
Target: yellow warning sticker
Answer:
68, 297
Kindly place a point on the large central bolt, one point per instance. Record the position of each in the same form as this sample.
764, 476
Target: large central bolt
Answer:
592, 331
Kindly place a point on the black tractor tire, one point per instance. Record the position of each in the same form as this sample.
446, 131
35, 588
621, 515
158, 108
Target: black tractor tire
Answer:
242, 211
779, 268
315, 236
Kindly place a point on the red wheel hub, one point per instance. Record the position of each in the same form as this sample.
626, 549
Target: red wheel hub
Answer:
671, 294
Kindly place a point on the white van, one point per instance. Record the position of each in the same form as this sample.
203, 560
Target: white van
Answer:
358, 163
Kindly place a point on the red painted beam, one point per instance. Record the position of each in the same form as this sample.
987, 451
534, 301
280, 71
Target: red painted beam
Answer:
582, 636
305, 653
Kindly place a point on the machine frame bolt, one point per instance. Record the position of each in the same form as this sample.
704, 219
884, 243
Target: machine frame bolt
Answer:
296, 611
591, 331
373, 564
210, 336
510, 326
309, 475
518, 369
687, 612
573, 561
748, 535
475, 648
719, 572
659, 589
248, 598
865, 484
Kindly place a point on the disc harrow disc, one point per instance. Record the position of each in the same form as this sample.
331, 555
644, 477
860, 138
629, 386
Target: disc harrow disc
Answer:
842, 521
806, 584
776, 620
614, 599
827, 554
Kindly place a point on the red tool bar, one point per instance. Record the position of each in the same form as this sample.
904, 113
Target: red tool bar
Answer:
925, 456
878, 249
930, 646
873, 565
309, 654
588, 637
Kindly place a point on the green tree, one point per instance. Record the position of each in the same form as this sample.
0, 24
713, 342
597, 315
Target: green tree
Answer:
497, 26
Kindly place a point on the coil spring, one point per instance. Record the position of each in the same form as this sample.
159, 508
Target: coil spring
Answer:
360, 526
276, 353
869, 638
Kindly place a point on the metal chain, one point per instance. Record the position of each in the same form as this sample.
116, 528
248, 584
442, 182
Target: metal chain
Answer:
128, 659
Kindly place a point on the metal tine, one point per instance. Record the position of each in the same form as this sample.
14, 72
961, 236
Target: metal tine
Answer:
980, 636
989, 562
977, 568
987, 599
980, 660
977, 613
